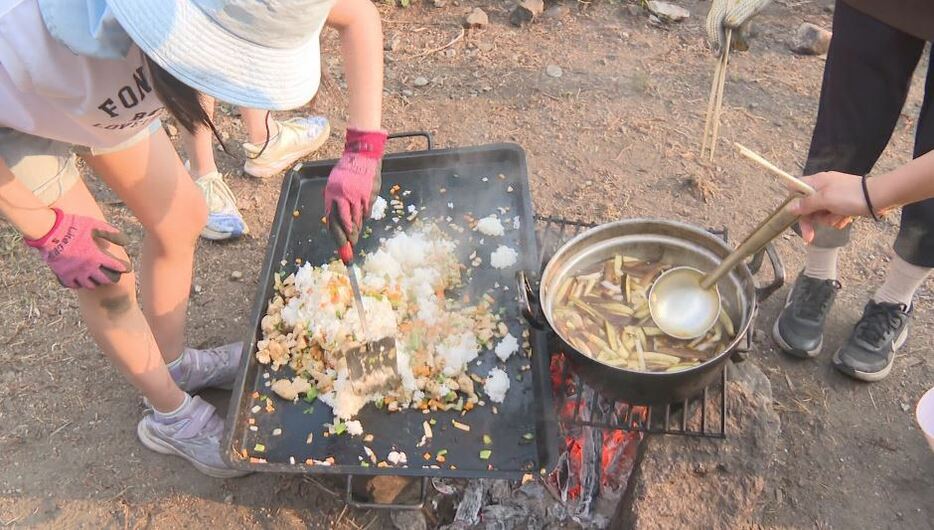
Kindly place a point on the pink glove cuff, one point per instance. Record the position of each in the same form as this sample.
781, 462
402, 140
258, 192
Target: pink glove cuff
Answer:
39, 243
369, 144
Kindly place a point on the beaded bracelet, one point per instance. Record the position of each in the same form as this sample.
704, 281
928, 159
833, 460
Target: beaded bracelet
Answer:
872, 211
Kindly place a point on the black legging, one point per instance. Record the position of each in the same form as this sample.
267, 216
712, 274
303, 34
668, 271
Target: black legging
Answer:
866, 80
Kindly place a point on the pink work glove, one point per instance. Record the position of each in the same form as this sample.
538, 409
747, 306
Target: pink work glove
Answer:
74, 250
353, 184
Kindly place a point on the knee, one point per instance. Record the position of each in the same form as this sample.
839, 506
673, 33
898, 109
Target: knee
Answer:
181, 228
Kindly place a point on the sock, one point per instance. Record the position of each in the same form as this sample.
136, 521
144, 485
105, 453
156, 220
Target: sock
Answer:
172, 415
901, 282
821, 263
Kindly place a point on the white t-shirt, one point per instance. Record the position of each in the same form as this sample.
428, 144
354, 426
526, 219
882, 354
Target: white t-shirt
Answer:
49, 91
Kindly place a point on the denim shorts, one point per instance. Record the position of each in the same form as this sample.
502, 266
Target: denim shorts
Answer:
48, 167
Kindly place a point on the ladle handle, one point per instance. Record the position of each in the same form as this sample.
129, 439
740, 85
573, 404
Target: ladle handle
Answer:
769, 229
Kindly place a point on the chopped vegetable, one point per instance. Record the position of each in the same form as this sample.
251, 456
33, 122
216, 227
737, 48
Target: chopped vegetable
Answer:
259, 448
528, 436
487, 440
485, 454
461, 426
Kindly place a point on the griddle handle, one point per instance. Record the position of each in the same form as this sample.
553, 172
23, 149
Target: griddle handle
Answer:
354, 503
778, 271
529, 304
410, 134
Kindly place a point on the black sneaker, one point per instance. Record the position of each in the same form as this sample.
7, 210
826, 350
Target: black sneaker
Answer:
869, 352
799, 329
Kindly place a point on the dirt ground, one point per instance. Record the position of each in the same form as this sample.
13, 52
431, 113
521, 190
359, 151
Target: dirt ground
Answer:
615, 136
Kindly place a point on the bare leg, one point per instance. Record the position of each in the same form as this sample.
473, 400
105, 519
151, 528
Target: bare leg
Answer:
153, 183
117, 324
199, 146
255, 121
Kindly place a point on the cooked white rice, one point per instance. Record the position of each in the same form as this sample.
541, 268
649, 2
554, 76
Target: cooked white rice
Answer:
496, 385
490, 226
378, 209
503, 257
506, 347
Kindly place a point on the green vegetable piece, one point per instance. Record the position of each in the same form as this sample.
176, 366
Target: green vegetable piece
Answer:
442, 452
451, 396
364, 464
432, 421
528, 436
340, 428
259, 448
485, 454
311, 395
309, 410
487, 440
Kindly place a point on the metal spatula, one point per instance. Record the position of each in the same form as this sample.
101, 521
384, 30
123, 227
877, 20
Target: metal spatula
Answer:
372, 365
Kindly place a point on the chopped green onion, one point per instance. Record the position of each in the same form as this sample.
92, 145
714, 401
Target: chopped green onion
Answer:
311, 395
364, 464
451, 396
432, 421
442, 452
259, 448
309, 410
487, 440
340, 428
485, 454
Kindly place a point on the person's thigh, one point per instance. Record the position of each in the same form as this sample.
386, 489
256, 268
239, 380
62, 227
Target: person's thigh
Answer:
866, 79
151, 179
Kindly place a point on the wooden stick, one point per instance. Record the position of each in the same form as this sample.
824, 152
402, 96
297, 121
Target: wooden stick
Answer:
711, 100
797, 183
453, 41
719, 104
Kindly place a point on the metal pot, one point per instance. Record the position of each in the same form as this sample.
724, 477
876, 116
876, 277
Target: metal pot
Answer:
652, 239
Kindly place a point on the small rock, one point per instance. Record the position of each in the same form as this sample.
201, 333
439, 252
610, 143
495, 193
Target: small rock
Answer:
905, 407
554, 70
811, 39
170, 129
408, 520
236, 276
449, 53
228, 499
198, 289
420, 81
526, 11
556, 11
667, 12
486, 88
407, 93
392, 42
485, 46
477, 19
439, 3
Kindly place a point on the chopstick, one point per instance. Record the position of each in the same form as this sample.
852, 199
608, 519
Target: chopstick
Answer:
715, 100
797, 183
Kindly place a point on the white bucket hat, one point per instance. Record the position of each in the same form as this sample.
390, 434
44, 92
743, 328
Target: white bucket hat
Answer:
251, 53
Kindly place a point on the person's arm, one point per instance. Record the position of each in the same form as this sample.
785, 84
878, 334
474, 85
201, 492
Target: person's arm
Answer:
21, 208
361, 36
840, 196
355, 180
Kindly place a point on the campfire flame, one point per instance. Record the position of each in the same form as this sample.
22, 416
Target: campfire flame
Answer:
595, 458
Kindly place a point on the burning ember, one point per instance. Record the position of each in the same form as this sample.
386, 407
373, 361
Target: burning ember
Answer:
596, 458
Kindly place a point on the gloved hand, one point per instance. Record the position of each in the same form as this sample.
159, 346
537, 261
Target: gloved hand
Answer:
74, 251
353, 184
735, 15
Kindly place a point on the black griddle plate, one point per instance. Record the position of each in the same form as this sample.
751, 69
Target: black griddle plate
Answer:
528, 407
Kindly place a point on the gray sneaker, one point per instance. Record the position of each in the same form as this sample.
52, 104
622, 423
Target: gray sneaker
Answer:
210, 368
194, 434
869, 352
799, 329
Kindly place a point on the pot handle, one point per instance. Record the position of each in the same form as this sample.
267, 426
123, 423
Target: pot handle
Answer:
529, 304
409, 134
778, 271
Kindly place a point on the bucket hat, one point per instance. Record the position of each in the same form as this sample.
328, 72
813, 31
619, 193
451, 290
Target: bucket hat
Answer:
252, 53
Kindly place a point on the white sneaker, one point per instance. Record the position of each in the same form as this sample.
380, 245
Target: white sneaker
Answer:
193, 433
297, 138
209, 368
224, 218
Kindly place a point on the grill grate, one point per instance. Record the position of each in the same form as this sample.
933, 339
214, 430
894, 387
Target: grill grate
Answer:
701, 416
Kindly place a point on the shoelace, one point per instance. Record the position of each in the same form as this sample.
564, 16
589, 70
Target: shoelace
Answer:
813, 298
879, 322
214, 185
